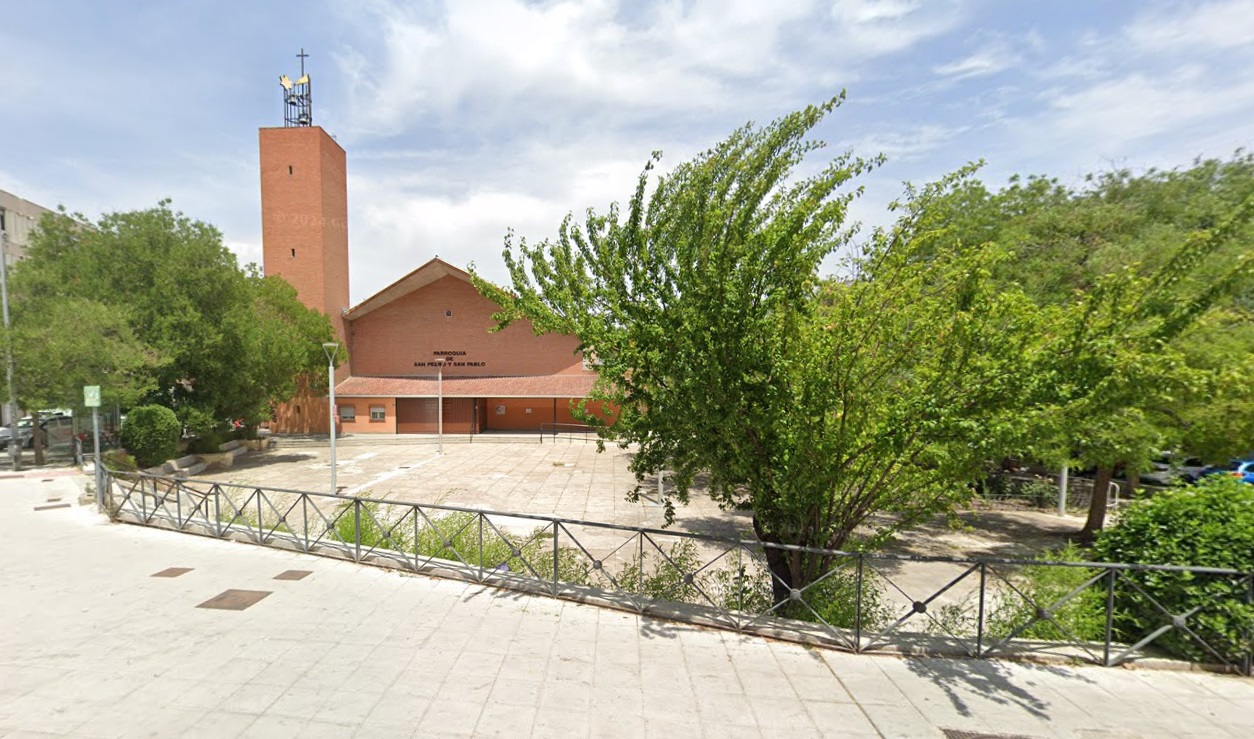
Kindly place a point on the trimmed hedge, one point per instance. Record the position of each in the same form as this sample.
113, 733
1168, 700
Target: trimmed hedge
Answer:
151, 434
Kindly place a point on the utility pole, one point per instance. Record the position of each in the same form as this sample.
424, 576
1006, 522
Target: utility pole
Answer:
15, 444
331, 348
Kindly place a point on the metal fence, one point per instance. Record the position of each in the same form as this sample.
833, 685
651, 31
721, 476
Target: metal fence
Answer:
1105, 614
1021, 490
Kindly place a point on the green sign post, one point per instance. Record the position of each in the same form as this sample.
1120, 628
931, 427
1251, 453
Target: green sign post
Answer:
91, 399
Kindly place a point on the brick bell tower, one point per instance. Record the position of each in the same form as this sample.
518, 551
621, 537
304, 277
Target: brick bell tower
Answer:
304, 207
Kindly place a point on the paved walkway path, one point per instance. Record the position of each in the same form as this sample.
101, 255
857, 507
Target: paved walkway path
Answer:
92, 644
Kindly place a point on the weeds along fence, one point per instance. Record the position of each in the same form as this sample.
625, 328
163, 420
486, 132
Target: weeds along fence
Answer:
1104, 614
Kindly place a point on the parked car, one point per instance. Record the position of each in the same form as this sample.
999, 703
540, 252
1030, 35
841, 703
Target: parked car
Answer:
1168, 471
23, 433
1243, 468
58, 431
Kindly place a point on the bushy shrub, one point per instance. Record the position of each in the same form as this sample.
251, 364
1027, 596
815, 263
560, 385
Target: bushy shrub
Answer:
1082, 617
1210, 524
151, 434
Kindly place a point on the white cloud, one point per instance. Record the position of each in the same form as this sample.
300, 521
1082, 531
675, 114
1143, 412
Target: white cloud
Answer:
1214, 25
497, 63
1138, 106
907, 143
991, 59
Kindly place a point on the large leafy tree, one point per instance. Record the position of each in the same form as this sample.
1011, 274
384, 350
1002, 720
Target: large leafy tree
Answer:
815, 403
154, 308
1149, 275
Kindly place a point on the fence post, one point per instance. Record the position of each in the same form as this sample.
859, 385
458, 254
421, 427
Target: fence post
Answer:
480, 514
979, 618
304, 518
357, 529
857, 609
556, 528
1249, 632
1110, 614
640, 568
217, 511
261, 538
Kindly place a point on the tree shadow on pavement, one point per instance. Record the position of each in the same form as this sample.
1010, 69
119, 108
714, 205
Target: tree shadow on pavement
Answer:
992, 680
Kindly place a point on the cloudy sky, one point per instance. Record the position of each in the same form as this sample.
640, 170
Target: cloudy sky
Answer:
463, 118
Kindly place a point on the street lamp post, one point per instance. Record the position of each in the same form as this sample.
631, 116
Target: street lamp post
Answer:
331, 348
439, 407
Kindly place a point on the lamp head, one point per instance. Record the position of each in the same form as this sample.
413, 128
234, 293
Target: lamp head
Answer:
331, 348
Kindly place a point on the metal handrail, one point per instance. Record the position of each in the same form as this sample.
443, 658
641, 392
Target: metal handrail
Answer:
728, 585
583, 430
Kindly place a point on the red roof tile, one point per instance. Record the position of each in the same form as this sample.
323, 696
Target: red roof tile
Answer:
536, 386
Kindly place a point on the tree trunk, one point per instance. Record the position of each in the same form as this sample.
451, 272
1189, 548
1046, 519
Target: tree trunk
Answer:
1097, 505
1134, 482
37, 438
777, 561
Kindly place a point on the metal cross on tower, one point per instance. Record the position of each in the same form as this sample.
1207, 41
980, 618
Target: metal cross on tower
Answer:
297, 97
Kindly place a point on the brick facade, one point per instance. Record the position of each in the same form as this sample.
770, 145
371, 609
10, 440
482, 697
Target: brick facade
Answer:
449, 315
399, 334
304, 216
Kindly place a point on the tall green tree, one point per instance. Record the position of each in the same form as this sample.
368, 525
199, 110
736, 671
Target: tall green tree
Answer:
172, 318
815, 403
1149, 273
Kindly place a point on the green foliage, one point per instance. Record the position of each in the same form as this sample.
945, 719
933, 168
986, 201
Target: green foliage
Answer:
814, 403
151, 434
1147, 278
151, 306
208, 443
837, 600
1076, 610
117, 460
1040, 493
1210, 524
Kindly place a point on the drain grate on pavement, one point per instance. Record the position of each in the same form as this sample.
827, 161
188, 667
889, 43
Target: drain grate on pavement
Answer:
293, 575
51, 507
172, 572
234, 600
963, 734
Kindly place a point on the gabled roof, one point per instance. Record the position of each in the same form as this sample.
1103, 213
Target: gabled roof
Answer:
416, 280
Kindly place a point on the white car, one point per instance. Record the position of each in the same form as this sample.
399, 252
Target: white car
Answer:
1169, 472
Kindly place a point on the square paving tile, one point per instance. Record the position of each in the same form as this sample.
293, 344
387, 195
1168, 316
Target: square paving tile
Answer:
293, 575
172, 572
234, 600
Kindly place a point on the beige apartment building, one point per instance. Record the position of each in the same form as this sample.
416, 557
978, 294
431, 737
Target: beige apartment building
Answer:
18, 218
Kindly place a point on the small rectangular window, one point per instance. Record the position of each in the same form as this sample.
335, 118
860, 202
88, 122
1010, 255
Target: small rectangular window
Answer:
348, 413
293, 252
289, 169
378, 413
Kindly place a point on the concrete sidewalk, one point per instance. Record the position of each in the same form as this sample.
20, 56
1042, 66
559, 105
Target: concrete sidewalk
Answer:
92, 644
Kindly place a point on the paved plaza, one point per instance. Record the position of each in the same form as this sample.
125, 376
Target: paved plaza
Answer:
569, 479
117, 630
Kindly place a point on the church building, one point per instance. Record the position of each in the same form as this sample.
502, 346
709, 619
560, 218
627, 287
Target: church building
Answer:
421, 340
